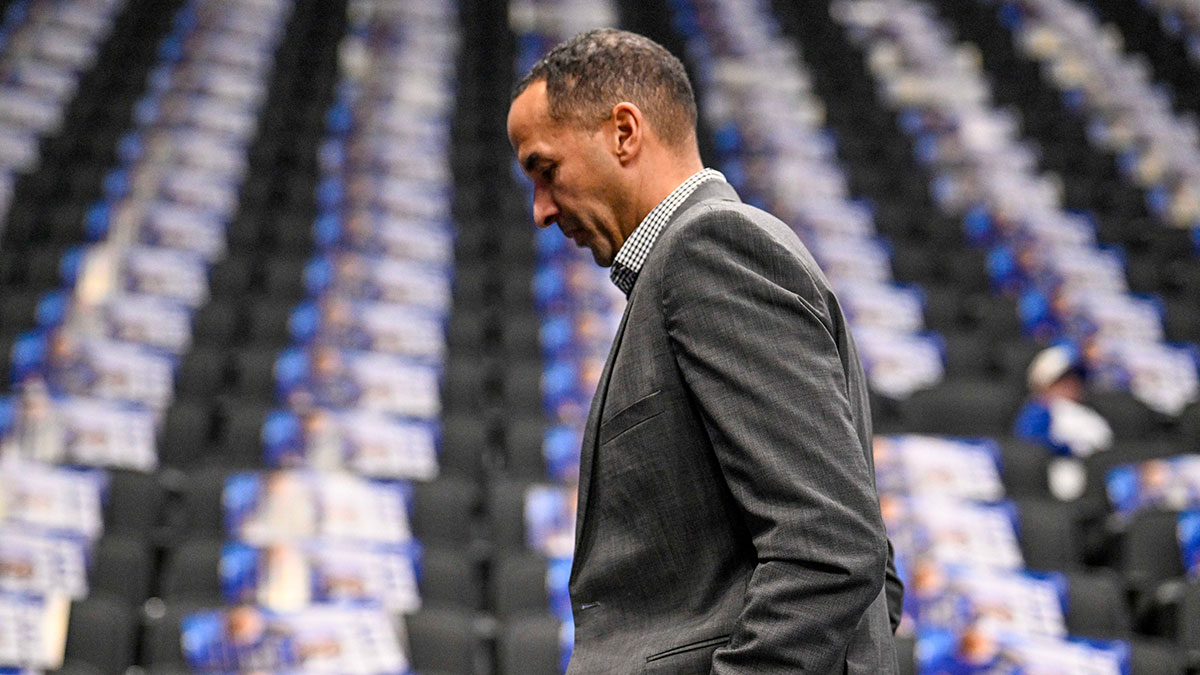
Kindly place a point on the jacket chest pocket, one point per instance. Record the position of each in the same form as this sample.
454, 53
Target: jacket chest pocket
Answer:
646, 407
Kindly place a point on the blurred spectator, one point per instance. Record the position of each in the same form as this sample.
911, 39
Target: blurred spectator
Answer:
1055, 417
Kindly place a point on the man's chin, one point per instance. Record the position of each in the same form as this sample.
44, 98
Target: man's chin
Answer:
600, 253
602, 258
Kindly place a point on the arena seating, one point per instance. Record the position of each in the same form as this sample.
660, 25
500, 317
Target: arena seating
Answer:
266, 269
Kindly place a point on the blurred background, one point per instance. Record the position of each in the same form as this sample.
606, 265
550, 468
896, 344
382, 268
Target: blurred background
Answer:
291, 383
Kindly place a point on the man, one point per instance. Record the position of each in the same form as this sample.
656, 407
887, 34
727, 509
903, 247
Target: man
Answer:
1055, 415
1056, 418
727, 517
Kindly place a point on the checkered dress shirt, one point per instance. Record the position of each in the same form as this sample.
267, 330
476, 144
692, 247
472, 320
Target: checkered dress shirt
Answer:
628, 263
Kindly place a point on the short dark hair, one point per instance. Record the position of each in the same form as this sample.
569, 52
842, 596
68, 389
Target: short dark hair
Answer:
592, 72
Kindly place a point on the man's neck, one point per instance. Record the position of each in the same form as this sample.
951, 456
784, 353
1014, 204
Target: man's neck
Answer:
659, 184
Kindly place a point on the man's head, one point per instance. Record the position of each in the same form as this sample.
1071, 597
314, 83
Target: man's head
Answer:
605, 127
1056, 372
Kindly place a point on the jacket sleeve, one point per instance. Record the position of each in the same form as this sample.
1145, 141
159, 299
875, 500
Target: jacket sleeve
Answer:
752, 336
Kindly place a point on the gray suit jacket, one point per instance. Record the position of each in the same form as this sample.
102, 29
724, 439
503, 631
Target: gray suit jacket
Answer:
728, 520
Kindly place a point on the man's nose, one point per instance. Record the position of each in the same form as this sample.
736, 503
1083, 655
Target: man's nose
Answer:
545, 211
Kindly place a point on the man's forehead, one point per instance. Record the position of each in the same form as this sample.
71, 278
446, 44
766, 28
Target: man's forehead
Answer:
534, 94
528, 111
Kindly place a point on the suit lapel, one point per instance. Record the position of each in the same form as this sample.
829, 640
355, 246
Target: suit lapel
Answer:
591, 431
716, 189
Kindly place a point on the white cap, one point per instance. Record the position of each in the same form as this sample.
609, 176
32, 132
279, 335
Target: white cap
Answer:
1049, 366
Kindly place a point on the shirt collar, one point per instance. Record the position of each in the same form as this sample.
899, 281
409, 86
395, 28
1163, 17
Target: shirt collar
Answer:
629, 260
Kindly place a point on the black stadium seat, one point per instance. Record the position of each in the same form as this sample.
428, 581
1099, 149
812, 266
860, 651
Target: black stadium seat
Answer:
1049, 535
1012, 358
230, 278
192, 572
506, 513
1189, 425
1152, 657
241, 428
523, 387
443, 640
102, 633
198, 513
201, 372
518, 585
1150, 551
284, 278
1096, 606
443, 511
268, 323
1129, 418
254, 373
530, 645
1182, 322
911, 262
968, 353
523, 444
1187, 626
122, 568
465, 384
18, 311
1023, 469
216, 323
961, 407
74, 667
185, 435
450, 578
465, 440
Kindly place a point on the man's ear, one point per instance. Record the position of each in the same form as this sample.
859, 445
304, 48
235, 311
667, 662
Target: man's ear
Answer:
630, 129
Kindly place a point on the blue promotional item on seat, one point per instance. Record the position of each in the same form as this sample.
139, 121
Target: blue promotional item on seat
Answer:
329, 639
